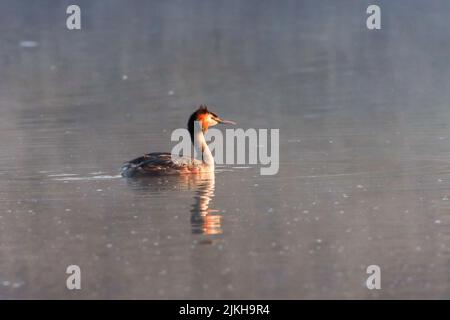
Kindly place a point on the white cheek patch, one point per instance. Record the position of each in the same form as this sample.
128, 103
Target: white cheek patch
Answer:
211, 122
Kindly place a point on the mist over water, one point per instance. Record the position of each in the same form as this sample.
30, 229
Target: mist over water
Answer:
364, 175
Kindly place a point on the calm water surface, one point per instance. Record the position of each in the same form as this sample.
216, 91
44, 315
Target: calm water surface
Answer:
364, 140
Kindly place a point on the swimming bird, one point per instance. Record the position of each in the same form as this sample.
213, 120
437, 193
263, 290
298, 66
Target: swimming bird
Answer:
163, 163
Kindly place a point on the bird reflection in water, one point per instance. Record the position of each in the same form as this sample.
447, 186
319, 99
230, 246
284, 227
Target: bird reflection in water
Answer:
204, 220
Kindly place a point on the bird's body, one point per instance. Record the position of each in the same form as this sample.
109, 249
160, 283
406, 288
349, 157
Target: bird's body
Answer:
159, 163
163, 163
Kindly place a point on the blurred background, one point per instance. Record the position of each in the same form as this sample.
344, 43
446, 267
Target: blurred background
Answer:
364, 149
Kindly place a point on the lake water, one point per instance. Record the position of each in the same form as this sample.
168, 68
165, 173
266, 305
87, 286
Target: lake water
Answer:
364, 174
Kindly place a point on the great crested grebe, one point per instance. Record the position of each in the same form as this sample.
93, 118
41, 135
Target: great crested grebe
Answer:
162, 163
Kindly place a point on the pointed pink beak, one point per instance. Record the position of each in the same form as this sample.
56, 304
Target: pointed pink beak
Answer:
228, 122
225, 121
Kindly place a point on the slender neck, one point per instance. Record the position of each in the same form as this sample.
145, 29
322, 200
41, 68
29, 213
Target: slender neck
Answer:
201, 148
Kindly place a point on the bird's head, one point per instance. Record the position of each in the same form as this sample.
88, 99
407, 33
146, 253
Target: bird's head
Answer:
206, 118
